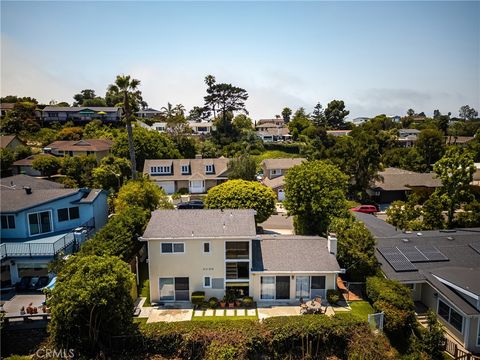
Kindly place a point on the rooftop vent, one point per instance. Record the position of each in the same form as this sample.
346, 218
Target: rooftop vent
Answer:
28, 190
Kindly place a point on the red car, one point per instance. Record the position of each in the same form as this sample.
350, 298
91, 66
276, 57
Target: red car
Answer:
367, 209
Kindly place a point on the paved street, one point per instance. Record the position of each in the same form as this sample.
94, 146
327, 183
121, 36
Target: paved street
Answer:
279, 224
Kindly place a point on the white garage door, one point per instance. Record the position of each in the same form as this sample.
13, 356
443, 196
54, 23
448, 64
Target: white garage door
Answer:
281, 195
167, 186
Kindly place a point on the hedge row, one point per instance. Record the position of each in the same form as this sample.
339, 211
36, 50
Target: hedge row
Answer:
291, 148
296, 337
394, 299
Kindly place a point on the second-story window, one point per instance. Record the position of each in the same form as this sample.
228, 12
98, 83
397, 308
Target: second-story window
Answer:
185, 169
209, 169
66, 214
8, 222
160, 170
40, 222
172, 248
275, 172
206, 247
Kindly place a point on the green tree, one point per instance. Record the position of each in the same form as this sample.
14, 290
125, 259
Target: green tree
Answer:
299, 123
22, 152
433, 340
119, 237
128, 88
242, 123
90, 303
356, 248
432, 215
402, 214
79, 168
80, 98
147, 145
70, 133
455, 169
318, 116
467, 113
315, 194
242, 194
335, 114
226, 99
143, 193
242, 167
286, 113
207, 149
47, 165
111, 173
430, 144
7, 158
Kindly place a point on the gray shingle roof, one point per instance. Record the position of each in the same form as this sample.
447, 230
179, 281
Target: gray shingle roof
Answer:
19, 181
82, 145
464, 277
274, 183
398, 179
292, 253
5, 140
171, 224
17, 200
282, 163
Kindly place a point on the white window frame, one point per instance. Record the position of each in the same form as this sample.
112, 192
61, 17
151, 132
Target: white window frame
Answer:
173, 248
275, 172
209, 169
450, 314
160, 169
205, 286
38, 212
185, 169
274, 287
209, 247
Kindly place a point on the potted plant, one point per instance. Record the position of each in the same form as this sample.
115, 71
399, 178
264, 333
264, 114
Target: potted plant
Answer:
223, 303
247, 301
213, 302
230, 297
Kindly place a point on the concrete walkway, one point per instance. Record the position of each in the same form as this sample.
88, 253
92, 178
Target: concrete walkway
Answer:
144, 310
169, 315
272, 311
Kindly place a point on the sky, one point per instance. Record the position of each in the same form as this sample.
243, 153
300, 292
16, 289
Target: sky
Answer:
380, 57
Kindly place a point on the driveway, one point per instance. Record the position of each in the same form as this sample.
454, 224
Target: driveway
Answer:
13, 305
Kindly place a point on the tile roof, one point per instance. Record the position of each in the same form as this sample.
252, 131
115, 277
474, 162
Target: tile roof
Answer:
5, 140
172, 224
394, 179
82, 145
19, 181
281, 163
7, 106
292, 253
197, 168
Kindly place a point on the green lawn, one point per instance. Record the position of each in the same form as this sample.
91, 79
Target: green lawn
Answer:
144, 287
360, 309
220, 318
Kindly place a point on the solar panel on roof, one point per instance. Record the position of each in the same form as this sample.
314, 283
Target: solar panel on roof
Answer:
432, 253
412, 254
396, 259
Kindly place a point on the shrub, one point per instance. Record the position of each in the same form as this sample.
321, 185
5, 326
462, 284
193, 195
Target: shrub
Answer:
247, 301
333, 296
198, 297
394, 300
176, 196
213, 302
183, 191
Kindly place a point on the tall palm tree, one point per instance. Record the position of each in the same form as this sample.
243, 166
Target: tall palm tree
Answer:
128, 87
168, 111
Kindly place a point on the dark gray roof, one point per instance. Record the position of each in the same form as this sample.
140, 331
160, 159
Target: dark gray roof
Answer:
461, 269
292, 253
171, 224
19, 181
17, 200
377, 227
92, 195
394, 179
80, 108
464, 277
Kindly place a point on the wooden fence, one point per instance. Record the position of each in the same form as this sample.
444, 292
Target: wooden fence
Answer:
459, 354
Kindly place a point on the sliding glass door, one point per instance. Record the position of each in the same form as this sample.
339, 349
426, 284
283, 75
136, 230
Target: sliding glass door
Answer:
174, 289
282, 287
302, 287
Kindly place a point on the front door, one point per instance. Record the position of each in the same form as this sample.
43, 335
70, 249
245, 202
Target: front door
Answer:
282, 287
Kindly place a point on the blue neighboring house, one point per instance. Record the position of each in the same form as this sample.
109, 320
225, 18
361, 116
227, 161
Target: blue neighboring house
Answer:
41, 219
